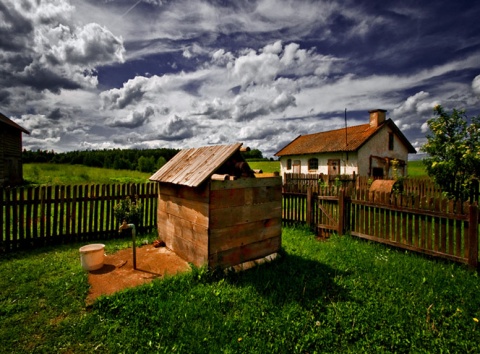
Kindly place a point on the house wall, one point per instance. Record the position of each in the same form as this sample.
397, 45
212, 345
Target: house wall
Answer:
10, 155
378, 146
221, 223
348, 163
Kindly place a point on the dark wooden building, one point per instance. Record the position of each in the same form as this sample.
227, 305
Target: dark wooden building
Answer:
11, 170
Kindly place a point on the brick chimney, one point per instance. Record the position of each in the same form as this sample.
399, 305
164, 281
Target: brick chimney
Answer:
377, 117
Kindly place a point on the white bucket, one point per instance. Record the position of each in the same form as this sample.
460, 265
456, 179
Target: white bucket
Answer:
92, 256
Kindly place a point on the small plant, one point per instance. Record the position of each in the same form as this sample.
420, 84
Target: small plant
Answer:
128, 210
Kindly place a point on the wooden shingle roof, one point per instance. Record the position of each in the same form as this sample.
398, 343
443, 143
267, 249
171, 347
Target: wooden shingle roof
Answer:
338, 140
191, 167
5, 120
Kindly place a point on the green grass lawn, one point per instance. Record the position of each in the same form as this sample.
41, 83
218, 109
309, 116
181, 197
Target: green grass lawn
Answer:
265, 166
416, 169
342, 295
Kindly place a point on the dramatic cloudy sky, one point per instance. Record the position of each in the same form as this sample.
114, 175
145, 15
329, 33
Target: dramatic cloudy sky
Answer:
94, 74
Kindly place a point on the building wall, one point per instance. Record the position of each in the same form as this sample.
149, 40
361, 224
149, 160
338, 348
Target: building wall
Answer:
221, 223
10, 155
348, 163
245, 220
377, 146
183, 216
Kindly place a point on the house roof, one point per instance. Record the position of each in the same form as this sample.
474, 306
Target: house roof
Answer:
339, 141
191, 167
5, 120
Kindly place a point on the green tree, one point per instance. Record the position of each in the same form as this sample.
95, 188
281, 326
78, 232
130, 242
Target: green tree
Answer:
160, 162
453, 149
146, 164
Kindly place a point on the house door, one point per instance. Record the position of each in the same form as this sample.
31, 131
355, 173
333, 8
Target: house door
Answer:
333, 168
296, 166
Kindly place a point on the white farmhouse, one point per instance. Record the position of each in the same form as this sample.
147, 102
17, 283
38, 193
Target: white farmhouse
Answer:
363, 150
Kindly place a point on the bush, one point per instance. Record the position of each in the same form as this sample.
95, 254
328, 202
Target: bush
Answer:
129, 211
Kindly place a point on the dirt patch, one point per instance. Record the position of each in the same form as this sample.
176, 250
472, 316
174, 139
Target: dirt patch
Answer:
118, 273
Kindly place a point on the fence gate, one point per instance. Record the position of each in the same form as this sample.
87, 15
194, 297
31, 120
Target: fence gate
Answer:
327, 213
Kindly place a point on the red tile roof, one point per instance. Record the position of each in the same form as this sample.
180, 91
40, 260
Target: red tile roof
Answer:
338, 141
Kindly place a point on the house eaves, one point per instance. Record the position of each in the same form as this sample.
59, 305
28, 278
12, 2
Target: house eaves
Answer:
5, 120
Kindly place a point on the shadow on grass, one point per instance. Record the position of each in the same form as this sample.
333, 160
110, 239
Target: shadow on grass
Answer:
293, 279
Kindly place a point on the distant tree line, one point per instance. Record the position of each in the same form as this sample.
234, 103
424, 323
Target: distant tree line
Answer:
148, 160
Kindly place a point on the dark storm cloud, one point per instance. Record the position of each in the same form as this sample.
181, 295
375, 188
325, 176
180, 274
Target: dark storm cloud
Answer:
4, 97
40, 78
56, 114
15, 29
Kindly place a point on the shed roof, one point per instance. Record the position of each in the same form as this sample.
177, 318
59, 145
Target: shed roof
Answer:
338, 140
191, 167
5, 120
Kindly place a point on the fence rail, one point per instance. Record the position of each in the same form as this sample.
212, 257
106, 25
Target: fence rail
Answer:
435, 225
34, 216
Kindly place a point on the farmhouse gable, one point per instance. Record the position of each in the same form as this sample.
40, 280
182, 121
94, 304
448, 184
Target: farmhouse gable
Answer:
11, 170
366, 149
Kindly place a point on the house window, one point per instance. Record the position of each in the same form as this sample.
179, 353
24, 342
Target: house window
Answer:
390, 141
289, 164
297, 166
313, 164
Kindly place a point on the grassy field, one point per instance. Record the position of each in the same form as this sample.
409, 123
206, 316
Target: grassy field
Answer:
51, 174
265, 166
416, 169
342, 295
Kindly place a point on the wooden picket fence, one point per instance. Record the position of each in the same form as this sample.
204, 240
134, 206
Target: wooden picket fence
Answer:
435, 225
419, 186
35, 216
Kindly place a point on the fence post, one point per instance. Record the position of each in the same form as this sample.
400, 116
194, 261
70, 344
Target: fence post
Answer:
473, 236
309, 207
341, 212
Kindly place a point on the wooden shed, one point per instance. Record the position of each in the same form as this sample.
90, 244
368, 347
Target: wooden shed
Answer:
213, 211
11, 169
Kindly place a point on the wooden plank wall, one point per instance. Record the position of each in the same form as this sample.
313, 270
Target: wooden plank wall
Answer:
245, 220
36, 216
183, 222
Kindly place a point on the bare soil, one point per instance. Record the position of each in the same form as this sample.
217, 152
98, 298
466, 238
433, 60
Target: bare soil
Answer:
117, 272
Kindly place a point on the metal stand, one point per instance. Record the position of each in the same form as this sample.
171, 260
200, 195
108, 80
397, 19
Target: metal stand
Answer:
125, 226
